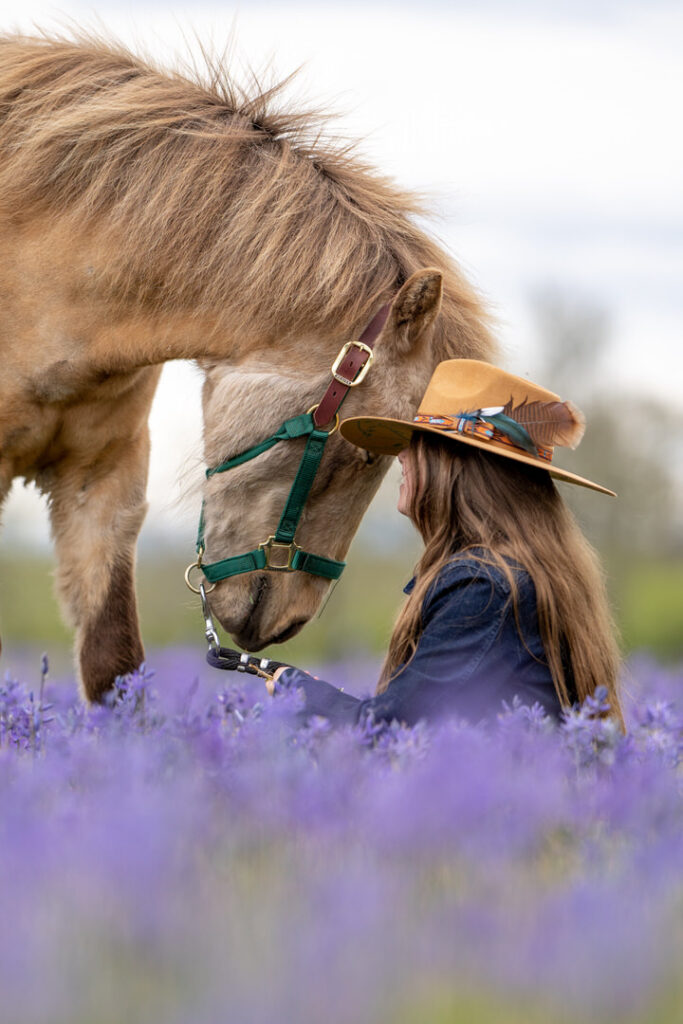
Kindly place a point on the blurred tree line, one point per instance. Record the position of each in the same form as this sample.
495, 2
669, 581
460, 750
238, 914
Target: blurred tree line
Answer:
634, 445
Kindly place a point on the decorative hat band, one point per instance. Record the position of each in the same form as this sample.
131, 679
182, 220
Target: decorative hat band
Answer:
489, 425
533, 427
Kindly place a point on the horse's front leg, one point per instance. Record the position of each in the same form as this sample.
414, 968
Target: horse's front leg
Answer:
5, 484
97, 510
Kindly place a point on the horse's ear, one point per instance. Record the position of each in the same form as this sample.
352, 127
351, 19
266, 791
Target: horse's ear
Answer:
416, 306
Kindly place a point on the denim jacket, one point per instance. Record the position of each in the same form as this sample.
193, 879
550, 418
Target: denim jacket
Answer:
469, 657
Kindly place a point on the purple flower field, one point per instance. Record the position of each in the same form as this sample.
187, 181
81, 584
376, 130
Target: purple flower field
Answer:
185, 857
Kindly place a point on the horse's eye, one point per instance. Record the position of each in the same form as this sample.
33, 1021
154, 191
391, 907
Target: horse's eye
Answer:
368, 457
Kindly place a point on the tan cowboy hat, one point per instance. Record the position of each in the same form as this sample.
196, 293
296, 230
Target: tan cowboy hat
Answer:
479, 404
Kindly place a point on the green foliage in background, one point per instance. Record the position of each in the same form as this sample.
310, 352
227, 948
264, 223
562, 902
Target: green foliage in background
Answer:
357, 619
651, 609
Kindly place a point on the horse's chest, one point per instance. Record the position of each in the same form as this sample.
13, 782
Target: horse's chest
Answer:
39, 433
26, 429
32, 438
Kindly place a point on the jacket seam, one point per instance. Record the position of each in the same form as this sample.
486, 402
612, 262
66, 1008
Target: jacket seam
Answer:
485, 647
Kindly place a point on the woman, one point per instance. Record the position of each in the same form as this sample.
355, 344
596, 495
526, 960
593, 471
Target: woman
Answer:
508, 598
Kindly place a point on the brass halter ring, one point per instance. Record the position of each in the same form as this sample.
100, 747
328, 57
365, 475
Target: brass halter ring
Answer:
336, 419
188, 571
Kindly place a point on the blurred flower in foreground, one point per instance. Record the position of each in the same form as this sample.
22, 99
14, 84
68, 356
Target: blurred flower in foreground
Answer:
184, 854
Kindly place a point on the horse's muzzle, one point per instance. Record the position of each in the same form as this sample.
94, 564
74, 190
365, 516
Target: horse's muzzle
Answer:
264, 608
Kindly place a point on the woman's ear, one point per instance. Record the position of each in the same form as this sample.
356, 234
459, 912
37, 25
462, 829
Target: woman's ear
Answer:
416, 307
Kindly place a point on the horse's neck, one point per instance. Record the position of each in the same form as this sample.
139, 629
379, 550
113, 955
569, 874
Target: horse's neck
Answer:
61, 324
137, 340
78, 321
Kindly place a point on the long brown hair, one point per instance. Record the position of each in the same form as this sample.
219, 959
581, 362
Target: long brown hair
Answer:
466, 499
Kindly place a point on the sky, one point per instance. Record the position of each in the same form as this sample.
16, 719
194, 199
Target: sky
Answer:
546, 135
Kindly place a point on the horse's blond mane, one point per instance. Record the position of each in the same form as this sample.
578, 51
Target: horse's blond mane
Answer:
210, 199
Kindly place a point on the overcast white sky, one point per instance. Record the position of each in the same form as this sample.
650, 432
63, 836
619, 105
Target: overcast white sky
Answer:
549, 135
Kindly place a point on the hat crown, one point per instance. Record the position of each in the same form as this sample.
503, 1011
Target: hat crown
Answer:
463, 385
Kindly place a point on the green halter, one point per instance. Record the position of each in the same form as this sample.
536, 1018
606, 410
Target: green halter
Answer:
279, 553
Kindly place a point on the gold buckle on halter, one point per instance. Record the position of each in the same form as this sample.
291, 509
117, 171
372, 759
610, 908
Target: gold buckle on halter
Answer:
363, 370
267, 547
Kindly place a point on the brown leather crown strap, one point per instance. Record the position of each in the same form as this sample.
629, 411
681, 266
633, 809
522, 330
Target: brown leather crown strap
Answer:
348, 369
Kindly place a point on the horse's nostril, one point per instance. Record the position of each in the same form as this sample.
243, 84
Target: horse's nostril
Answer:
257, 591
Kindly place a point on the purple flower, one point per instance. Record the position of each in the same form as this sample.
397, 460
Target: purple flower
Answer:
190, 850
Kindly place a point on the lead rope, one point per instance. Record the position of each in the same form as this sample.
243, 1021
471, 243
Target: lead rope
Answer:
230, 660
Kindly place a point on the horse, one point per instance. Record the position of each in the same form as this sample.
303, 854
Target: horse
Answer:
148, 215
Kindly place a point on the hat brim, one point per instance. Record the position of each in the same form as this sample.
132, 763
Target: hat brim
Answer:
388, 437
